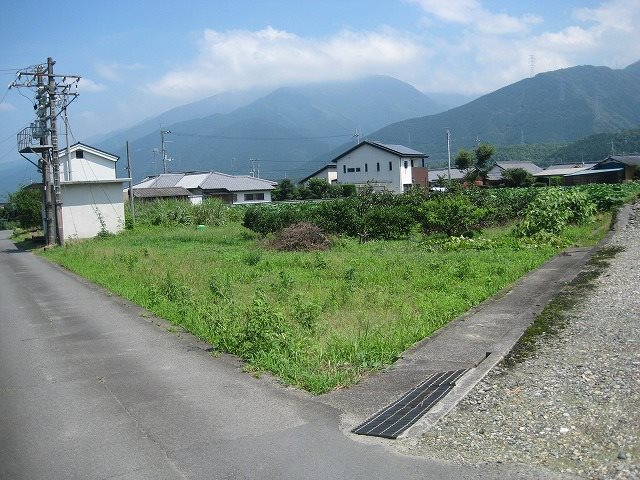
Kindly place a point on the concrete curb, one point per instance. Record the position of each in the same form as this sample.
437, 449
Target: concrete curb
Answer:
475, 375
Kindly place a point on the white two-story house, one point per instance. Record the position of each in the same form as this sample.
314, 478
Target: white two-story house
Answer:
395, 168
91, 194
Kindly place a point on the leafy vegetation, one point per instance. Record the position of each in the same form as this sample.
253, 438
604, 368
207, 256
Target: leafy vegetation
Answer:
24, 209
323, 319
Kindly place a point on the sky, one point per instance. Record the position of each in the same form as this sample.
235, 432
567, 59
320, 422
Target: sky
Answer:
138, 58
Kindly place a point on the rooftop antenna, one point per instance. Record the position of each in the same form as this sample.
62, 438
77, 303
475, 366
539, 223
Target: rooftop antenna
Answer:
356, 135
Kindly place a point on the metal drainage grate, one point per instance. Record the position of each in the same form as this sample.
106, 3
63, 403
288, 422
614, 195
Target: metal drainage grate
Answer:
394, 419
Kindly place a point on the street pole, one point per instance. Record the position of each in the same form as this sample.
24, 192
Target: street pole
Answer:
55, 163
449, 154
133, 213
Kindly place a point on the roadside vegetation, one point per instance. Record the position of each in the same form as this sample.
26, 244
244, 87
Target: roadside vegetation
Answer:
351, 284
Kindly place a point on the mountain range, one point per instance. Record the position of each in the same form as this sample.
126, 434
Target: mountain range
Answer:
291, 131
283, 130
559, 106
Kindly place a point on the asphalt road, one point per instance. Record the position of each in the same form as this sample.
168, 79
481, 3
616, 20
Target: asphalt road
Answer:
91, 388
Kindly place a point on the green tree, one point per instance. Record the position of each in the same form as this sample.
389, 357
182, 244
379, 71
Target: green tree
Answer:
319, 188
517, 177
25, 207
285, 190
464, 161
483, 153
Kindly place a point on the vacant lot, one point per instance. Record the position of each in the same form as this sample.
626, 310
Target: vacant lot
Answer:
317, 320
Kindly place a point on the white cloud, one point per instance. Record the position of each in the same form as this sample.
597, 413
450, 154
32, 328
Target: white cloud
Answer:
477, 61
115, 71
269, 57
471, 13
88, 85
7, 107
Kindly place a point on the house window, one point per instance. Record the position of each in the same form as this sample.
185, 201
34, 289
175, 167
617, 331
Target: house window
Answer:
377, 166
366, 167
423, 163
411, 163
357, 169
344, 169
406, 164
79, 153
351, 170
390, 166
253, 196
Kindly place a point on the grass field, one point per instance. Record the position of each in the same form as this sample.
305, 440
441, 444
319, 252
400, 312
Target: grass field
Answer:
317, 320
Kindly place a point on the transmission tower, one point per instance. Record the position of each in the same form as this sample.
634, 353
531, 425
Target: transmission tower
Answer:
53, 94
532, 66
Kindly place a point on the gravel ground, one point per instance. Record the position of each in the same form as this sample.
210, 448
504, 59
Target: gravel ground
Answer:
572, 407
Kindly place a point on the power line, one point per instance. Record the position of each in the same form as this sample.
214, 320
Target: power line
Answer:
226, 137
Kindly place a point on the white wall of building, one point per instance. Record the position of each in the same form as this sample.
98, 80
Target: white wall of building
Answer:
252, 197
327, 174
90, 168
87, 207
369, 164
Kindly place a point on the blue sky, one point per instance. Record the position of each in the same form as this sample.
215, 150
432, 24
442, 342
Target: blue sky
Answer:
138, 58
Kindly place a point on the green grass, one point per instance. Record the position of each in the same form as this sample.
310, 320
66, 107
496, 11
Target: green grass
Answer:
317, 320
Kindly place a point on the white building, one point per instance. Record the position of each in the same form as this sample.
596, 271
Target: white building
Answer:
233, 189
91, 194
385, 167
328, 173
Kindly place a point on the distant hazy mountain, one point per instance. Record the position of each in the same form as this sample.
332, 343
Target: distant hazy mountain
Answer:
221, 103
285, 129
559, 106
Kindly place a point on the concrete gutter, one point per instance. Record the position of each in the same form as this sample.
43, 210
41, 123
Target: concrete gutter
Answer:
478, 340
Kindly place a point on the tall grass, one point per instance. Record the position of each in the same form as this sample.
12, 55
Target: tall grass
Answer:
317, 320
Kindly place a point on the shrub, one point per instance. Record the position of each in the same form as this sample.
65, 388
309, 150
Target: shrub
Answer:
553, 209
301, 236
453, 215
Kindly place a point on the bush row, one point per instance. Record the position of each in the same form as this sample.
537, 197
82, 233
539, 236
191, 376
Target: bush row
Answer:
370, 215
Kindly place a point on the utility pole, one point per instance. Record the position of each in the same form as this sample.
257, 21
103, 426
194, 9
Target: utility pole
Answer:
449, 154
55, 161
45, 130
163, 132
47, 185
133, 212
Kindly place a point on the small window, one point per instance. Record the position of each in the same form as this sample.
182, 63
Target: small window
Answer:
79, 153
411, 163
423, 163
357, 169
377, 166
406, 164
344, 169
366, 167
248, 196
390, 166
351, 170
253, 196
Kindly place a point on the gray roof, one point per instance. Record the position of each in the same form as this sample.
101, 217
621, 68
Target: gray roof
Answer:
626, 159
400, 149
235, 183
455, 174
564, 169
496, 171
160, 192
167, 180
206, 181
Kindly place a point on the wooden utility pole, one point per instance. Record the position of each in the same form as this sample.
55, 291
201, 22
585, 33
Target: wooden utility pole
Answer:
133, 212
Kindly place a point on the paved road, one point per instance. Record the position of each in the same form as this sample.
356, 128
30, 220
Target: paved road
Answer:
92, 389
